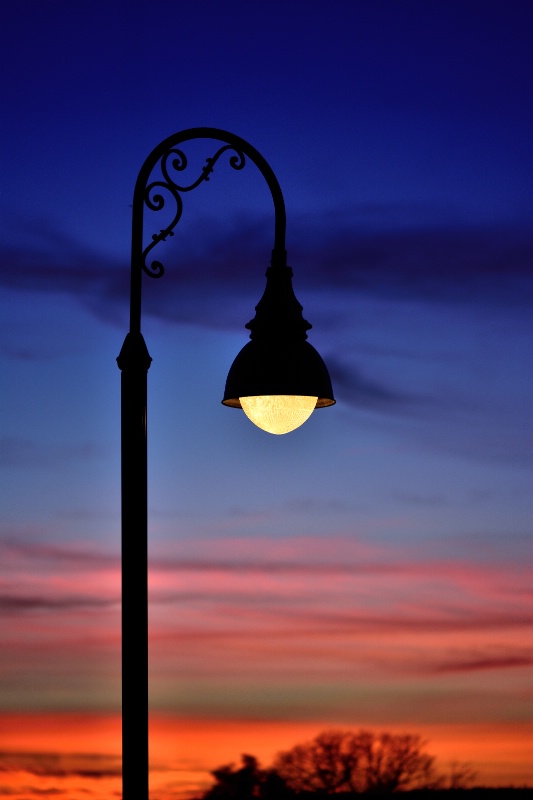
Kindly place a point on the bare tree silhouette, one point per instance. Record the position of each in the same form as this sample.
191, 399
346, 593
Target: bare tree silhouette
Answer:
340, 761
327, 764
461, 775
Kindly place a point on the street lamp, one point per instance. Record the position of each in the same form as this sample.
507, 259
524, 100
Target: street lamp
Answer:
278, 379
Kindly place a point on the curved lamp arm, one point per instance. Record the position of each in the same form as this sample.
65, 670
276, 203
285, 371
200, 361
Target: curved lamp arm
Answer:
154, 193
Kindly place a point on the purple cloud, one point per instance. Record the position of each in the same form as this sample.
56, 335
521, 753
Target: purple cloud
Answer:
457, 264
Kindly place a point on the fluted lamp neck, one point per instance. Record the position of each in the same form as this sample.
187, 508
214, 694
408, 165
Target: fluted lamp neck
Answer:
278, 378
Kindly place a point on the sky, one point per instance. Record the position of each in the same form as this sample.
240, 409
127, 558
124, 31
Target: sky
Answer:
373, 568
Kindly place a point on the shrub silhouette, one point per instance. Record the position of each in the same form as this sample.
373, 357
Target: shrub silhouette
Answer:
241, 783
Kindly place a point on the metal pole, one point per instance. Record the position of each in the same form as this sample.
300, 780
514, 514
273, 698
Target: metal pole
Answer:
134, 362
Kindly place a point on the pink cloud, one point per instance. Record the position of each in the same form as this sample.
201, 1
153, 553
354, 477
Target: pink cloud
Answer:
271, 610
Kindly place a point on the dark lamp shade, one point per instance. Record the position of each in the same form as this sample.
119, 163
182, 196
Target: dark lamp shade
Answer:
277, 367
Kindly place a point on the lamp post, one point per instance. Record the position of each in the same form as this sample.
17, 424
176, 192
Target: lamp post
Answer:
278, 378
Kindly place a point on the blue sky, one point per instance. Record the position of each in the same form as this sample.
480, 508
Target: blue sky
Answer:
399, 133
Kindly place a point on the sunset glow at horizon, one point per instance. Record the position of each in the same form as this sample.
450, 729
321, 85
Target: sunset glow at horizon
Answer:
372, 568
79, 754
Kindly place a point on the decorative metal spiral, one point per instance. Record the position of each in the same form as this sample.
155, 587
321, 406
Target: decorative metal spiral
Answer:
156, 193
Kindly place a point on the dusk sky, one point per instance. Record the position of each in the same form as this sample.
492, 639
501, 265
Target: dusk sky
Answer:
371, 569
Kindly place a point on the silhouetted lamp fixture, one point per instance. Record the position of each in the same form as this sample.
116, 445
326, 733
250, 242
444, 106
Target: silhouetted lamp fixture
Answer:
278, 379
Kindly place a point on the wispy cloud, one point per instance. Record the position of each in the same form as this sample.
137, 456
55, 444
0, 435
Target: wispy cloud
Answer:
457, 264
482, 664
278, 609
365, 393
14, 603
17, 452
86, 765
452, 263
59, 774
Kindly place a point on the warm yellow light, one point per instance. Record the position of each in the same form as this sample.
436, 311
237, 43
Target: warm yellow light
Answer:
278, 413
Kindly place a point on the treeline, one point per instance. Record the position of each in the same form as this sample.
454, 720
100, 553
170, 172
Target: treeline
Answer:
351, 765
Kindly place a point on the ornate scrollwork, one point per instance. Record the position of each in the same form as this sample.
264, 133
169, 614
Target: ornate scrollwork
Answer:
158, 191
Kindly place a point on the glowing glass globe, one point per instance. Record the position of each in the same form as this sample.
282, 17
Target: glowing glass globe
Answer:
278, 413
